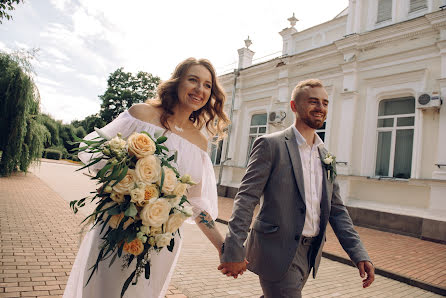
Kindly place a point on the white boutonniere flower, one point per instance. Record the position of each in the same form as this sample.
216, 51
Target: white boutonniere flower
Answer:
329, 162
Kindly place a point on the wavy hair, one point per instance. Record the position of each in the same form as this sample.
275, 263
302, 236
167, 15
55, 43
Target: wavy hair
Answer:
211, 114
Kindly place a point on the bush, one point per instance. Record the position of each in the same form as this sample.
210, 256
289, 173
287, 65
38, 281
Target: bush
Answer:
53, 154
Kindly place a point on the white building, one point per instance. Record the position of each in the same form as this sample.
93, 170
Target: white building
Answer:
376, 59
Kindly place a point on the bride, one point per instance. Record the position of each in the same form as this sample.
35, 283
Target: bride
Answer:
190, 99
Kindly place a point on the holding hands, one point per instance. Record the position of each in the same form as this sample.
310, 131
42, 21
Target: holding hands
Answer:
233, 268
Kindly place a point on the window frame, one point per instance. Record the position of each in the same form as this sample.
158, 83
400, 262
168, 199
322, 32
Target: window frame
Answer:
257, 134
393, 129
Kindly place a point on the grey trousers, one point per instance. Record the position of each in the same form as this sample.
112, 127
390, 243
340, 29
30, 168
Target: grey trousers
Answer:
291, 285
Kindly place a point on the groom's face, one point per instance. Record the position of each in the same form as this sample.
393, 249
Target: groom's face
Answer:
311, 107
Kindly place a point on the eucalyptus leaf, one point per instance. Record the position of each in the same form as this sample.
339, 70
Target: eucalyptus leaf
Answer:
161, 139
127, 283
147, 270
131, 211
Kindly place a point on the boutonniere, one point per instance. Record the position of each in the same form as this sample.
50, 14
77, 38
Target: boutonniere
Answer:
329, 162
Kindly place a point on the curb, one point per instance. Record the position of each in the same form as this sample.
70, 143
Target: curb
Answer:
401, 278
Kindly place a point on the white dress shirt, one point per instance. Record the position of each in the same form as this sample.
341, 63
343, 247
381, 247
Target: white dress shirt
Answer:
312, 171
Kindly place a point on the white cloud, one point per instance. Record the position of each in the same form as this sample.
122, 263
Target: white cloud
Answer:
42, 80
60, 4
56, 53
93, 80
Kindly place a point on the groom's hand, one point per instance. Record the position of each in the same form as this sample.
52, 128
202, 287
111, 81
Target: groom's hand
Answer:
233, 268
366, 267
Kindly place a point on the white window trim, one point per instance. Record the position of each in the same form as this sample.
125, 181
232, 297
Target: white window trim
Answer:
414, 84
249, 133
392, 129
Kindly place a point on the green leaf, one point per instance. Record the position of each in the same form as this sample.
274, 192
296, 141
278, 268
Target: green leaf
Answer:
162, 178
127, 283
161, 139
171, 244
121, 175
101, 173
131, 211
112, 260
121, 247
147, 270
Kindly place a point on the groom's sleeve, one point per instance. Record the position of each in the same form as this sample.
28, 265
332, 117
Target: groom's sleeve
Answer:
248, 196
343, 227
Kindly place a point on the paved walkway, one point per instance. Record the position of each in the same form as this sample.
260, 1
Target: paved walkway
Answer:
40, 237
414, 261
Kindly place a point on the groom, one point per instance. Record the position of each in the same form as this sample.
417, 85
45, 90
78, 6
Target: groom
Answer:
296, 176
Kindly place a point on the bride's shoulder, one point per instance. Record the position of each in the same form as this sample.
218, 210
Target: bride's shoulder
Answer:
144, 112
201, 140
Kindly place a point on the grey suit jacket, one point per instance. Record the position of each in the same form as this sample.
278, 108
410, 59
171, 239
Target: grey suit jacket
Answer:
275, 171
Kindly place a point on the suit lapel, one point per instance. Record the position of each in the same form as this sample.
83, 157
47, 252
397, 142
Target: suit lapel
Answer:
326, 185
293, 151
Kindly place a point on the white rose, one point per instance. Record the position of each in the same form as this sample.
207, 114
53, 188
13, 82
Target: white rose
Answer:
170, 180
145, 229
116, 144
180, 189
328, 160
174, 222
148, 169
127, 183
187, 210
155, 213
117, 197
175, 201
141, 145
163, 239
138, 194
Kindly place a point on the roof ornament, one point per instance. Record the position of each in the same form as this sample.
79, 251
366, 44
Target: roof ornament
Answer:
293, 20
248, 42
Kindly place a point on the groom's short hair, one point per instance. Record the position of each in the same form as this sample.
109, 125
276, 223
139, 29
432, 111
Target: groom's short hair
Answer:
302, 86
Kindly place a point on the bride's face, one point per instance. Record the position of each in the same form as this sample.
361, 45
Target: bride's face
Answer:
195, 88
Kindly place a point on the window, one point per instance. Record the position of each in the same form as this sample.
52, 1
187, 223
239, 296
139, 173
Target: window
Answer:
216, 151
256, 129
416, 5
321, 131
384, 10
396, 121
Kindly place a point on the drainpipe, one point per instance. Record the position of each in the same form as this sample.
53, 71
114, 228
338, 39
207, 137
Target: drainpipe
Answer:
231, 112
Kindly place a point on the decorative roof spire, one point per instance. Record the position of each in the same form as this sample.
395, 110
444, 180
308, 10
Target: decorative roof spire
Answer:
248, 42
293, 20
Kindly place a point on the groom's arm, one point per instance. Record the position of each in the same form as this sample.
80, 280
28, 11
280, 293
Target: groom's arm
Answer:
343, 227
250, 191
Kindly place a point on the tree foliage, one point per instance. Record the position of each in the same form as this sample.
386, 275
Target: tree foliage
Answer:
22, 137
124, 90
89, 123
5, 6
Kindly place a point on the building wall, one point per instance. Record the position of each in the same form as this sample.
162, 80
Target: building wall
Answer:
361, 63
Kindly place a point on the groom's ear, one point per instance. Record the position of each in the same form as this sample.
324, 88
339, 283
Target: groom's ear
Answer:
293, 106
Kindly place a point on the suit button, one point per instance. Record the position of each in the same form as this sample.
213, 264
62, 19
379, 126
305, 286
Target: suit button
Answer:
302, 210
296, 237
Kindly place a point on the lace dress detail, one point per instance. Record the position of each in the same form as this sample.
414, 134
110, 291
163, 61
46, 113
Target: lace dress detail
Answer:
107, 282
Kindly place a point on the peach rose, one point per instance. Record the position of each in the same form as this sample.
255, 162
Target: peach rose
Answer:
140, 145
170, 180
148, 169
127, 183
155, 213
135, 247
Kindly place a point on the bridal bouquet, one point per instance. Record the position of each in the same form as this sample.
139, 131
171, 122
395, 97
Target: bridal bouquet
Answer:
141, 203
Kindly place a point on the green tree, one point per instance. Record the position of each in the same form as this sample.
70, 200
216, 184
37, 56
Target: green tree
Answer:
22, 137
89, 123
6, 5
124, 90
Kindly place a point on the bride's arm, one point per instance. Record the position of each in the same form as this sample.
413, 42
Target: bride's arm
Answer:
208, 227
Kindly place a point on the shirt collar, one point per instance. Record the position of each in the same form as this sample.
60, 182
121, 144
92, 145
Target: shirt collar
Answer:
301, 140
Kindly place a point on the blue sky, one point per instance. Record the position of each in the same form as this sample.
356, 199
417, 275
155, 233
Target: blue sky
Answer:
82, 41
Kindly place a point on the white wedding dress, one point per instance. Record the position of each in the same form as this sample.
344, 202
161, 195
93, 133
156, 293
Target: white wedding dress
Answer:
107, 282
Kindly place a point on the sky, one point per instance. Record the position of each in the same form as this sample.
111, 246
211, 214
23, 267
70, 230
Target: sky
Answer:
81, 42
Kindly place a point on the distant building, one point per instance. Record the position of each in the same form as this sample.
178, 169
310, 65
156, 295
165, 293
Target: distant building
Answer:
377, 59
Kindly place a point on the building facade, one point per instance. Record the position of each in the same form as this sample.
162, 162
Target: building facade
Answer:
383, 63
